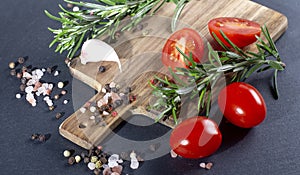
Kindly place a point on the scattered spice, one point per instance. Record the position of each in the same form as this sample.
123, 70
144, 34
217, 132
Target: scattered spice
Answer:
56, 73
51, 108
71, 160
63, 92
67, 153
13, 72
202, 165
59, 115
56, 97
12, 65
18, 96
60, 85
21, 60
65, 102
40, 137
91, 165
209, 165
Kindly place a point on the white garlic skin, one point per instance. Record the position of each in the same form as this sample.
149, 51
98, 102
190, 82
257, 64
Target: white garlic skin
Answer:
95, 50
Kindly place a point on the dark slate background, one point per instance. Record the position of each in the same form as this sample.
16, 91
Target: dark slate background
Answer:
270, 148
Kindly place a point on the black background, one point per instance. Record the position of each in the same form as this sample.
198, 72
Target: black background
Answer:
270, 148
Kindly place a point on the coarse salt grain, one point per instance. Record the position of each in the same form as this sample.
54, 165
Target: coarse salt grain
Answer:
56, 73
113, 158
105, 113
18, 96
82, 110
202, 165
134, 164
92, 117
112, 164
91, 165
76, 9
92, 108
65, 101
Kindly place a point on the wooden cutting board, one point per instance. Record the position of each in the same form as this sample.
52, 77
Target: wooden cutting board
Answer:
140, 56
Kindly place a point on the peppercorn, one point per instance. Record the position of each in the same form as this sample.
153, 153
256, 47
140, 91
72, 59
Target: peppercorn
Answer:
71, 160
56, 97
132, 98
209, 165
86, 160
67, 153
77, 158
103, 160
19, 75
97, 171
13, 72
59, 115
114, 113
51, 108
42, 138
107, 88
34, 136
63, 92
114, 89
24, 69
118, 103
102, 69
94, 159
23, 80
83, 154
21, 60
128, 90
60, 85
49, 70
98, 164
12, 65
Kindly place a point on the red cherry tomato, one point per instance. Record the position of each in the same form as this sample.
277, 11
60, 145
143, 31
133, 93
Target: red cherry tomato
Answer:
240, 31
196, 137
242, 105
188, 41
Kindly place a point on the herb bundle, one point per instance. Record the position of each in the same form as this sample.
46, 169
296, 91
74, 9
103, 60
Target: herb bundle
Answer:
101, 18
204, 76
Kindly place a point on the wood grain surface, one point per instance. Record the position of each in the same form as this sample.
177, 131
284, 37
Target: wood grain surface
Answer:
140, 57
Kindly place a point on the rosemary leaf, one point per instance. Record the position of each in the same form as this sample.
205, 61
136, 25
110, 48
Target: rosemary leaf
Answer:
177, 12
275, 84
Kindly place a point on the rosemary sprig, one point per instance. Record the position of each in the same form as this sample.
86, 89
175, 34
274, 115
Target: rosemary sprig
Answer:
101, 18
203, 77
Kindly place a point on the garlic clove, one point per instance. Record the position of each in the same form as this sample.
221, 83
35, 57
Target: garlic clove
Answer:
95, 50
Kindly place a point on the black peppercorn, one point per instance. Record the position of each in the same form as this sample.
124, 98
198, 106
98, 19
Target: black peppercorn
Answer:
23, 80
59, 115
114, 89
24, 69
107, 88
42, 138
86, 160
97, 171
49, 70
22, 87
118, 103
34, 136
128, 90
102, 69
13, 72
71, 160
21, 60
